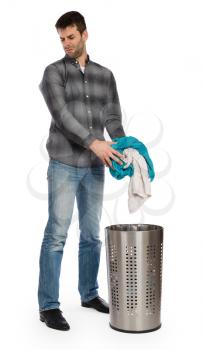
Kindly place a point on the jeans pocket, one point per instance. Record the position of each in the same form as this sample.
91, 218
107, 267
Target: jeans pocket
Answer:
98, 170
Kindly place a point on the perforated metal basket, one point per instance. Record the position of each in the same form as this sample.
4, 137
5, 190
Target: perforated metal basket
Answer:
134, 268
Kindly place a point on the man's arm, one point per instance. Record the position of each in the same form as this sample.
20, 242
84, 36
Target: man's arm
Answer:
113, 115
53, 91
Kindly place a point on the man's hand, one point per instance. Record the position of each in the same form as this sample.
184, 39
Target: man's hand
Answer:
103, 150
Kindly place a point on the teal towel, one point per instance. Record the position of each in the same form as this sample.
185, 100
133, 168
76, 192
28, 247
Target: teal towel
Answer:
130, 142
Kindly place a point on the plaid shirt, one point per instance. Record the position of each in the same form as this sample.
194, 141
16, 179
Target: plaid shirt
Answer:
81, 106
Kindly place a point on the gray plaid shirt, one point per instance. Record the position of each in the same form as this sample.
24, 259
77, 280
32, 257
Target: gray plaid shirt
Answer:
81, 106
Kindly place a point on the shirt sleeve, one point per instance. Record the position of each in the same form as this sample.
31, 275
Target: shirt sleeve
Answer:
52, 89
113, 115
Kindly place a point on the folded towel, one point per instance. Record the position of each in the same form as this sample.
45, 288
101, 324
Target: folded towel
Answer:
139, 188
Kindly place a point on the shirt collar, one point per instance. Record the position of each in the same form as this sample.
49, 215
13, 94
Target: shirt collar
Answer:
75, 61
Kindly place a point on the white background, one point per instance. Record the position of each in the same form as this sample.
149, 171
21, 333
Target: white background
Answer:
154, 49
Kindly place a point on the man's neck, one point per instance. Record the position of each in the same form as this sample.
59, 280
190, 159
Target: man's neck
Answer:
82, 59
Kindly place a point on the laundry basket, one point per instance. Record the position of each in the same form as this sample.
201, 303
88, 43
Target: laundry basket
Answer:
134, 269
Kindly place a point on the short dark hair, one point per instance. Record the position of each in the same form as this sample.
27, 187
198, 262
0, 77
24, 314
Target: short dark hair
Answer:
71, 18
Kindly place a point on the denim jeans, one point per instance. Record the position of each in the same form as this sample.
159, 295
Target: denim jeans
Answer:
64, 184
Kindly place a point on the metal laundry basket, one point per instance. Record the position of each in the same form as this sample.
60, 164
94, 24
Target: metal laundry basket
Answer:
134, 270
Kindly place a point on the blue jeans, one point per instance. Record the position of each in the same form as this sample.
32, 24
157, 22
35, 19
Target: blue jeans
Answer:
64, 184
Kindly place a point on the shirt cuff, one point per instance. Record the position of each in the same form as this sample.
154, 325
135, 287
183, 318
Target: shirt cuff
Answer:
88, 140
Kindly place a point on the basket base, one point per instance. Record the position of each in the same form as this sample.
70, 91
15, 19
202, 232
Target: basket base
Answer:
125, 331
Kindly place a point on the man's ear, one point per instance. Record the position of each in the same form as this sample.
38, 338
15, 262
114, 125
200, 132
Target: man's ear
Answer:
85, 34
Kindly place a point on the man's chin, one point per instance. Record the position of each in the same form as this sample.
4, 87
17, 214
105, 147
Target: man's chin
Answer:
70, 53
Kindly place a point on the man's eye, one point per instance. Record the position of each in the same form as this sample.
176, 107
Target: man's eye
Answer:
69, 38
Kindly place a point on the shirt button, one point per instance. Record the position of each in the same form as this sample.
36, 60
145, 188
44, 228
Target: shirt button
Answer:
87, 96
90, 126
89, 111
85, 81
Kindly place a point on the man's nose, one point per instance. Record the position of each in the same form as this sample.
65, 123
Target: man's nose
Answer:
66, 43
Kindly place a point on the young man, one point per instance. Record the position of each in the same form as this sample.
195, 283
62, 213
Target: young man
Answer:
82, 98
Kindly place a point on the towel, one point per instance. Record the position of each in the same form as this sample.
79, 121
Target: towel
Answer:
130, 142
139, 188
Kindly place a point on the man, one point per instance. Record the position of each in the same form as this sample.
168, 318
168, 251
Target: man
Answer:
82, 98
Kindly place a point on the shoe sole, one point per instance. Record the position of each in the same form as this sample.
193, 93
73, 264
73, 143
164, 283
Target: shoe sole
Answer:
53, 327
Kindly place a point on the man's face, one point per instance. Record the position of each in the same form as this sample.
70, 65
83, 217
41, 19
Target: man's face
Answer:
73, 42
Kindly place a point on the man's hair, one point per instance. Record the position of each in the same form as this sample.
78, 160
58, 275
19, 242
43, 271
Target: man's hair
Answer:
70, 19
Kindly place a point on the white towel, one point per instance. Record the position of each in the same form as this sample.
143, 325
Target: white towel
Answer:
139, 189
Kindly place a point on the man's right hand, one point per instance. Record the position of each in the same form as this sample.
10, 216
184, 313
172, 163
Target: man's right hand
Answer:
103, 150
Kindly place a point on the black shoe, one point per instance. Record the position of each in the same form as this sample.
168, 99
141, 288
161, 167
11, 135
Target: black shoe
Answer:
97, 303
54, 319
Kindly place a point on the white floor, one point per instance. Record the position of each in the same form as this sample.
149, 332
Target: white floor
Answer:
90, 330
